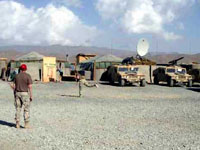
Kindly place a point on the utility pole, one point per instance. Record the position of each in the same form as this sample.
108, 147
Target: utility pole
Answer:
111, 46
190, 51
67, 57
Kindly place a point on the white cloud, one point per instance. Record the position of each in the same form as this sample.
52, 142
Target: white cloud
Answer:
74, 3
171, 36
48, 25
111, 8
144, 16
142, 19
180, 26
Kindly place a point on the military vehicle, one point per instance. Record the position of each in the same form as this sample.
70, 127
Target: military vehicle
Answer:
193, 70
128, 72
172, 74
125, 74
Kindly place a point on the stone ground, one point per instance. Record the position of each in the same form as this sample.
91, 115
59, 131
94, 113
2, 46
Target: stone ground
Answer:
108, 117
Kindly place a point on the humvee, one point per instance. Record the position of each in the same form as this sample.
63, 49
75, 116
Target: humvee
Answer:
172, 75
125, 74
195, 72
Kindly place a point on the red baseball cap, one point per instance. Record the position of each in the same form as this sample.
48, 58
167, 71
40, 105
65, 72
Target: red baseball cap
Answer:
23, 67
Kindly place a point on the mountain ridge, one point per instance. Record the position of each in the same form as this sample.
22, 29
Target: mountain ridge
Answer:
12, 52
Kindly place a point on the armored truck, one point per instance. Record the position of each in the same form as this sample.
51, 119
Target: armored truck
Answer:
193, 70
125, 74
172, 75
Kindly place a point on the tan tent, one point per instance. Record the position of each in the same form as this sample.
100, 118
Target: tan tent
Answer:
3, 67
33, 60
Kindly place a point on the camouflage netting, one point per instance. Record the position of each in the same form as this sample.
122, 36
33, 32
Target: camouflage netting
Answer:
102, 62
105, 58
31, 56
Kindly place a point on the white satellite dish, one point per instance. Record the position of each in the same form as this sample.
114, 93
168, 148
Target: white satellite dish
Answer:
142, 47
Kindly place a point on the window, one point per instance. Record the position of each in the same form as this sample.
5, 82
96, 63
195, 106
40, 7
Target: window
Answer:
134, 69
181, 71
67, 65
171, 70
123, 69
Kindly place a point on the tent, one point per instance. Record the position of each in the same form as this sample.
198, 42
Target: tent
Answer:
3, 67
101, 63
33, 60
32, 56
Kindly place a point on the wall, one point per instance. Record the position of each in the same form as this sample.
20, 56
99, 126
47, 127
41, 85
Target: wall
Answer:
34, 68
99, 73
2, 65
145, 69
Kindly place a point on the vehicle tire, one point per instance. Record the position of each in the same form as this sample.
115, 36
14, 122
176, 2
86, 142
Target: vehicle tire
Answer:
171, 83
189, 84
111, 81
155, 80
122, 82
142, 83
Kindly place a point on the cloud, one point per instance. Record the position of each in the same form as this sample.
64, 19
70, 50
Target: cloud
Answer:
146, 16
74, 3
43, 26
171, 36
111, 8
180, 26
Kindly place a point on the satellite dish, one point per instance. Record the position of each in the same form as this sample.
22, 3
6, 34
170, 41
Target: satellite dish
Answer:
142, 47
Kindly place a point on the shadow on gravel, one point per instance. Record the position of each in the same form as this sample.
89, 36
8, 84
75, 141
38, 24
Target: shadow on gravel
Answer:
70, 95
4, 123
194, 89
165, 85
117, 85
68, 79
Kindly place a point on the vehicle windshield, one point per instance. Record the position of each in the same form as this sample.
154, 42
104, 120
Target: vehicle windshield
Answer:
181, 71
134, 69
121, 69
171, 70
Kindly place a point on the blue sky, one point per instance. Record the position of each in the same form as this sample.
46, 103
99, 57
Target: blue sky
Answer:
169, 26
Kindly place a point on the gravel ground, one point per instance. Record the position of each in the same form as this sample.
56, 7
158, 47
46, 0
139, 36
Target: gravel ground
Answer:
108, 117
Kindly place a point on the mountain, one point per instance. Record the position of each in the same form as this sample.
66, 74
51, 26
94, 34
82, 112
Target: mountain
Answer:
60, 51
11, 52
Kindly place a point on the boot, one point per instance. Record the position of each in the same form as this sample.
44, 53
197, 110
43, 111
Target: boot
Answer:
26, 125
17, 125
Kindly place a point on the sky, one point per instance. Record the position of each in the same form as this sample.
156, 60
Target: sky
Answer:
168, 25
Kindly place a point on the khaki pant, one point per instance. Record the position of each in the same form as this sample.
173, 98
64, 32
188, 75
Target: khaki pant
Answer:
22, 101
87, 84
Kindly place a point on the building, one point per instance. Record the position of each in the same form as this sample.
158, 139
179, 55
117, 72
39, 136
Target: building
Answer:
33, 60
40, 68
83, 57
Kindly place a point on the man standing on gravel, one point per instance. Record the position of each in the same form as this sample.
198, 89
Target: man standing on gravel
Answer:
23, 95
